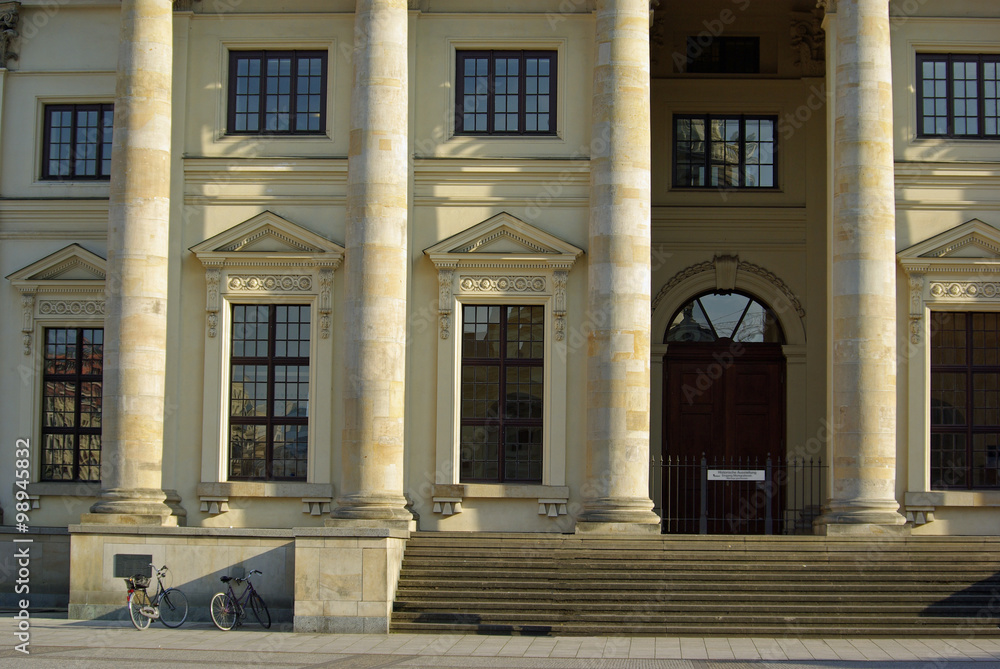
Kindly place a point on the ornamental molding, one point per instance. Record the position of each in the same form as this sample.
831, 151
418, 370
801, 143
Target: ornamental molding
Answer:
727, 270
71, 281
809, 42
269, 283
961, 290
325, 301
9, 18
507, 247
916, 307
71, 308
503, 284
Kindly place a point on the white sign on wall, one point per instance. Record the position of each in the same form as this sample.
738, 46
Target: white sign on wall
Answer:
736, 474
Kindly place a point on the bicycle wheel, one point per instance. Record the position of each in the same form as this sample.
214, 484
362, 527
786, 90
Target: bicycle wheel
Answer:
223, 611
137, 601
259, 609
173, 607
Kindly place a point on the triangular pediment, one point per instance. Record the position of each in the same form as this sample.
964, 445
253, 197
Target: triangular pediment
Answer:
972, 240
266, 235
502, 237
70, 264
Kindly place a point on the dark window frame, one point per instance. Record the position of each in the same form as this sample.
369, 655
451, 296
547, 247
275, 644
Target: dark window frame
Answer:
79, 378
501, 421
950, 59
707, 164
492, 56
102, 143
264, 55
728, 48
271, 361
962, 475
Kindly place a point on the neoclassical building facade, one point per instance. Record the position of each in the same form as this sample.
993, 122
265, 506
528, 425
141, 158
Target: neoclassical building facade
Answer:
286, 282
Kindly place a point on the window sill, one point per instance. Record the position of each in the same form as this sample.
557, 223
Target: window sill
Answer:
316, 497
953, 498
552, 500
65, 489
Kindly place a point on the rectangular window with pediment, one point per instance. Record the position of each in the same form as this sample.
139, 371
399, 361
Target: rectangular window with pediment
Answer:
503, 384
269, 392
71, 404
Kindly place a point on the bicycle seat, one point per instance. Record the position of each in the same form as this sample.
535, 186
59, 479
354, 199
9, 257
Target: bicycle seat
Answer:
225, 579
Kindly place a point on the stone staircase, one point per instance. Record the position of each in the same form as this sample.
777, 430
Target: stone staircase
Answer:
699, 586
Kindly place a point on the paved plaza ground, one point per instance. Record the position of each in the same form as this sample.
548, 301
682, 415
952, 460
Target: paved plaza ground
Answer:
71, 644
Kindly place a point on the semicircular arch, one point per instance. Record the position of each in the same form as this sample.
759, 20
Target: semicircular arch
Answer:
719, 275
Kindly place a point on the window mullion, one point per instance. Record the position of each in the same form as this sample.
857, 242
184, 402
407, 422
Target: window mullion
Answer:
741, 167
522, 93
269, 411
491, 68
502, 398
77, 398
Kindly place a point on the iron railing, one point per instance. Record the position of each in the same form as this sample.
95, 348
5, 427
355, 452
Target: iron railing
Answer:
738, 495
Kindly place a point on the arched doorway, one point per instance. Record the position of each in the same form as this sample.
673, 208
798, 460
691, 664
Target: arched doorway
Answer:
724, 416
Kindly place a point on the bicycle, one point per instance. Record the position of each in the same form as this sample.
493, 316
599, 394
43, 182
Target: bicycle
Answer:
169, 606
228, 610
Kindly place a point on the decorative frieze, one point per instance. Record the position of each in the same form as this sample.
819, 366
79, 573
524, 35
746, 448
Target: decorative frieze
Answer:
503, 284
71, 307
958, 290
269, 283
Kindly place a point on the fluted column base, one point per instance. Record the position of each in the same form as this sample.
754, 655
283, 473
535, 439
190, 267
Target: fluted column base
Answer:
618, 515
131, 506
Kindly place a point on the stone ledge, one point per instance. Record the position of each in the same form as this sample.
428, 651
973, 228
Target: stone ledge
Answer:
264, 489
64, 489
153, 530
352, 532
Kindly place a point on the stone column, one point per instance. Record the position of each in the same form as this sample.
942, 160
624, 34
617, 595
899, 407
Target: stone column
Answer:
863, 278
375, 266
135, 335
616, 493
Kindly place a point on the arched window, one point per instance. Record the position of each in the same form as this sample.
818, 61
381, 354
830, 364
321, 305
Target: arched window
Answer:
714, 316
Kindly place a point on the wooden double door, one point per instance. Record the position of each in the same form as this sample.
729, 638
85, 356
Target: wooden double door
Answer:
724, 416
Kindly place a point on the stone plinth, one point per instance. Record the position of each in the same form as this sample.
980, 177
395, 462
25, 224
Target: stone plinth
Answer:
345, 579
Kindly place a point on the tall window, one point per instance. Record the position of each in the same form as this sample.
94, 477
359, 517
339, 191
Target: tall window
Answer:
269, 392
965, 400
502, 390
958, 95
724, 151
77, 142
505, 93
71, 404
277, 92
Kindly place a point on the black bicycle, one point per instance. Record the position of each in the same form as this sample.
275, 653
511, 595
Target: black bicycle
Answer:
228, 610
169, 606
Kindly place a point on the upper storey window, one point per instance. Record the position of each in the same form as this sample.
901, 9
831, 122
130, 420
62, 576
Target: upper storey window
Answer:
277, 92
723, 55
958, 95
505, 93
77, 142
724, 151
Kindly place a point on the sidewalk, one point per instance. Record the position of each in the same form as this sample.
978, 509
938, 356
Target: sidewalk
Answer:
61, 644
